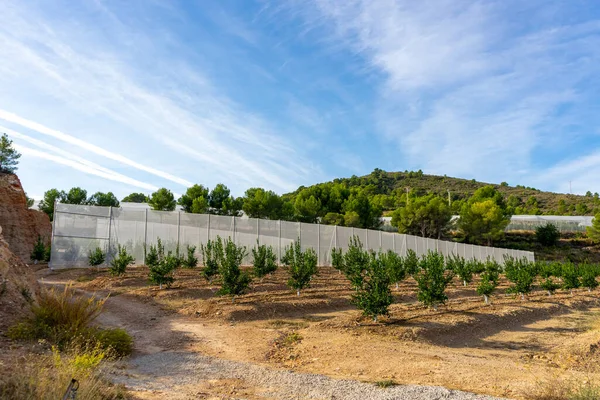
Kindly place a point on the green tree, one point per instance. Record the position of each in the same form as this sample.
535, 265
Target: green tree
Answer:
260, 203
76, 195
394, 265
136, 198
432, 280
39, 250
192, 193
307, 209
489, 279
217, 197
427, 216
593, 231
571, 276
264, 260
232, 206
547, 235
212, 253
199, 206
484, 217
588, 276
50, 197
233, 280
352, 219
119, 264
104, 200
162, 200
8, 155
301, 266
190, 261
463, 269
369, 215
96, 257
161, 273
521, 273
374, 296
332, 218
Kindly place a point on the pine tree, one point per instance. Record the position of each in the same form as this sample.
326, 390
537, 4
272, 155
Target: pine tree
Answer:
301, 266
264, 260
8, 155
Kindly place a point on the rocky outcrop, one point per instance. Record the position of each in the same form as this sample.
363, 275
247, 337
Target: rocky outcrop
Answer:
20, 225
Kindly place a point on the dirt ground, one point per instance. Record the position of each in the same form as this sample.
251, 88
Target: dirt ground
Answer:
502, 349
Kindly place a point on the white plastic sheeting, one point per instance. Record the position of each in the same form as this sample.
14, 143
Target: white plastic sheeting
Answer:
79, 229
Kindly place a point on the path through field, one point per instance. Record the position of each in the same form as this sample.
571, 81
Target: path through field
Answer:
165, 366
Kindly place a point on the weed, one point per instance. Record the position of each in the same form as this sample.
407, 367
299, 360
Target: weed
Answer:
385, 383
26, 293
292, 338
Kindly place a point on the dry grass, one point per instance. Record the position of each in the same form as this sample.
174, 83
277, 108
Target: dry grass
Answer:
558, 388
47, 377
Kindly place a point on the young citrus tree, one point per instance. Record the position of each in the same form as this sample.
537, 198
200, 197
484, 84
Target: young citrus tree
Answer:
463, 268
394, 265
212, 253
264, 260
190, 261
355, 261
374, 296
161, 273
588, 277
432, 280
521, 273
301, 266
119, 264
337, 259
411, 262
233, 280
96, 257
489, 279
548, 271
570, 275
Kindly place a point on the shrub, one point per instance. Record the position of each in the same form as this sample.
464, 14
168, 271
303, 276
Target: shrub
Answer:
233, 280
191, 260
547, 235
570, 275
211, 254
411, 262
162, 273
47, 253
549, 285
119, 264
394, 265
432, 280
337, 259
463, 268
301, 266
476, 266
39, 250
96, 257
264, 260
116, 340
374, 296
355, 262
589, 275
521, 273
152, 256
489, 279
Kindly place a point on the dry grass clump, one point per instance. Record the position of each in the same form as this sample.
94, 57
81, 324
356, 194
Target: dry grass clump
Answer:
564, 389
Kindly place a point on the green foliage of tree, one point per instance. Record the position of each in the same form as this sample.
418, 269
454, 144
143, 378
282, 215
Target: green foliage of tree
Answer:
432, 280
152, 256
549, 285
195, 193
521, 273
260, 203
411, 262
76, 195
463, 269
39, 250
374, 297
355, 261
547, 235
96, 257
332, 218
233, 280
211, 255
427, 216
264, 260
489, 279
119, 264
394, 265
571, 276
352, 219
301, 266
483, 219
162, 200
593, 232
8, 155
369, 215
589, 274
161, 273
190, 261
136, 198
48, 253
29, 200
307, 209
104, 199
232, 206
47, 204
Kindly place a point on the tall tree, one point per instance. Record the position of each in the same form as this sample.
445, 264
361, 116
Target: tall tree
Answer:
593, 231
369, 215
192, 193
104, 199
217, 197
427, 216
307, 209
260, 203
8, 155
162, 200
76, 195
232, 206
484, 217
50, 197
135, 198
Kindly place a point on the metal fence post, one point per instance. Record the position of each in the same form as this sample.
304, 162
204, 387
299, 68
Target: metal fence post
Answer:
319, 242
52, 233
335, 236
178, 229
279, 247
258, 230
380, 242
108, 252
367, 239
145, 233
208, 229
233, 229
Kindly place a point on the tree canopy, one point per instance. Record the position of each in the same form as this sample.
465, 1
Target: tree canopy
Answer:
8, 155
428, 216
136, 198
162, 200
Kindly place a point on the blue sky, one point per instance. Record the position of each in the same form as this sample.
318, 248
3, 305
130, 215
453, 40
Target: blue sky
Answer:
132, 96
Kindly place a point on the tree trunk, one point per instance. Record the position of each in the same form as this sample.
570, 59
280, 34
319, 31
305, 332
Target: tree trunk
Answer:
232, 299
160, 286
375, 318
590, 289
298, 292
522, 296
549, 293
435, 307
464, 283
485, 297
396, 285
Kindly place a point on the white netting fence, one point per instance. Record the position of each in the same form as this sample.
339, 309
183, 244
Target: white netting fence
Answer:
79, 229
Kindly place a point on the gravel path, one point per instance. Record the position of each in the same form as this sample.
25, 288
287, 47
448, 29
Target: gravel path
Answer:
169, 372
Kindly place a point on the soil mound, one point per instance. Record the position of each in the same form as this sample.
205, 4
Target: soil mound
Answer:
20, 226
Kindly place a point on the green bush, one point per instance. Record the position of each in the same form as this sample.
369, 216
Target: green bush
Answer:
547, 235
355, 261
394, 265
337, 259
233, 280
39, 251
432, 280
588, 276
549, 285
264, 260
116, 340
374, 297
411, 262
489, 279
120, 263
521, 273
191, 260
463, 268
212, 253
570, 274
162, 273
96, 257
301, 266
47, 253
